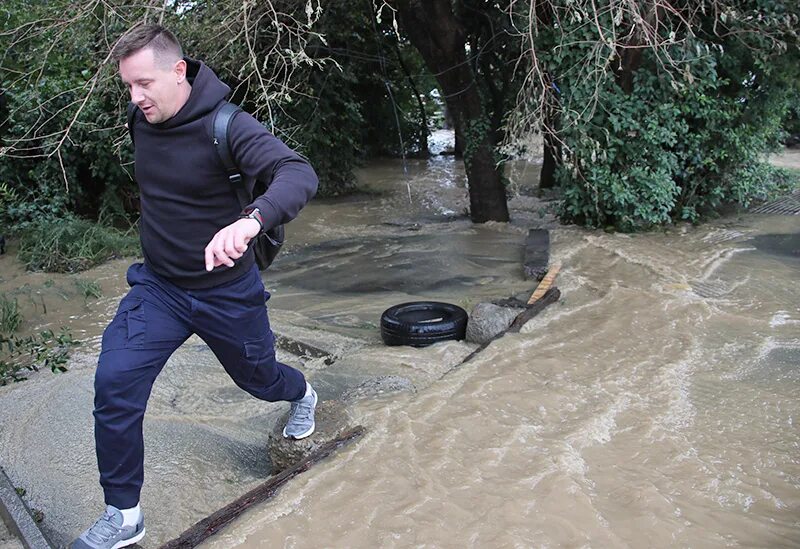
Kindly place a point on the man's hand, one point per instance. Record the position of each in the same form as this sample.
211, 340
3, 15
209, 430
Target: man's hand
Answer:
230, 243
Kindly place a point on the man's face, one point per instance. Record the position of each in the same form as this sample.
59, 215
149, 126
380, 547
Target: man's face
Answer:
154, 87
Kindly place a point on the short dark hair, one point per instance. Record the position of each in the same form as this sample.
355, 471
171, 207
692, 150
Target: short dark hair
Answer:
165, 46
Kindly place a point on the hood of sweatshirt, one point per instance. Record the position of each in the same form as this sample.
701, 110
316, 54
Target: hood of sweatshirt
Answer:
207, 92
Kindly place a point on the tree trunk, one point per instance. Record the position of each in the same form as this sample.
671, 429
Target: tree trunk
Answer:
543, 11
547, 178
435, 31
630, 59
631, 55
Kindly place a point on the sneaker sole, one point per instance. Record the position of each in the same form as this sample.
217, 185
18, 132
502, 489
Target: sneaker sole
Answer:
308, 433
130, 541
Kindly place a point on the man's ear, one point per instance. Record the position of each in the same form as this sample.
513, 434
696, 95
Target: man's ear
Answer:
180, 70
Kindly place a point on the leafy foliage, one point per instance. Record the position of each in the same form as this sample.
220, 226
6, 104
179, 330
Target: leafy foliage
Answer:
48, 169
326, 97
89, 288
677, 132
662, 114
349, 108
791, 123
43, 350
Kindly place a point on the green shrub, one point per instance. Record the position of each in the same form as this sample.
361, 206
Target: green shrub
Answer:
659, 154
72, 244
682, 131
86, 176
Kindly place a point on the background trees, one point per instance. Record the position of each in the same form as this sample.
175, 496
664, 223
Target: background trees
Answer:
470, 47
658, 110
652, 110
325, 76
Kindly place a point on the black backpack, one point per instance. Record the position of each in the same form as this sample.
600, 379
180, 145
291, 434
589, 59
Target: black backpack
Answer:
267, 244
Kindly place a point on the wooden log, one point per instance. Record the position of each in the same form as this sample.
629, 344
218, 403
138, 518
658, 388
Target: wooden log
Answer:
537, 253
551, 296
210, 525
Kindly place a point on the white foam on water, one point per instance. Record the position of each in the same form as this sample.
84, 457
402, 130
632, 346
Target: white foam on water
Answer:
782, 318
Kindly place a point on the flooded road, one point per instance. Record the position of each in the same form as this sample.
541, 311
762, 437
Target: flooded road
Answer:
403, 238
655, 406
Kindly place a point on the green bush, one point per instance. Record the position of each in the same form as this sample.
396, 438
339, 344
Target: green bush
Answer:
660, 154
690, 133
49, 171
791, 123
72, 244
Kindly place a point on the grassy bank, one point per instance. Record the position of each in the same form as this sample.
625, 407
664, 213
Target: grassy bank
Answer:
73, 244
52, 245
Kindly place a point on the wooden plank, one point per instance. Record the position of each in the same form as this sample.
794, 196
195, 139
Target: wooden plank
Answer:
213, 523
545, 284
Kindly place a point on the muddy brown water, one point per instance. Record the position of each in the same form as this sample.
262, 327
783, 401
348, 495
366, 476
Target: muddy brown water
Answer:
654, 406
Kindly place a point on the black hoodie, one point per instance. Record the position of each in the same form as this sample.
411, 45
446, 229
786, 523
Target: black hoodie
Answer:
185, 193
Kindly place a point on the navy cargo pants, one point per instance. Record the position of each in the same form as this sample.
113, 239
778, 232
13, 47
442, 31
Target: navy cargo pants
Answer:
153, 320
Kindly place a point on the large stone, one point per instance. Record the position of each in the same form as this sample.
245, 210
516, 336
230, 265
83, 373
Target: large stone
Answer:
379, 386
332, 421
487, 320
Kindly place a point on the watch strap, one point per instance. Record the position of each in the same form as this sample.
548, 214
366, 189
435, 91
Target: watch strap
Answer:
253, 213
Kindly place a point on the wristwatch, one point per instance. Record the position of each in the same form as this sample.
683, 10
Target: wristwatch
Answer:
253, 213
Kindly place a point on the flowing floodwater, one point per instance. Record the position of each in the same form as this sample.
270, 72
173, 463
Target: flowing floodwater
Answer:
654, 406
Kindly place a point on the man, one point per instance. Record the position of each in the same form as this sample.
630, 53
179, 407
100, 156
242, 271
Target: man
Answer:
198, 274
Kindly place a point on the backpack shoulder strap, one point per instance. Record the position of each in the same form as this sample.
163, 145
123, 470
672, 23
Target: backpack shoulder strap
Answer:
220, 129
130, 117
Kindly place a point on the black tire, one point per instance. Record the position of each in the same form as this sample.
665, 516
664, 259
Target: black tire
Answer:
422, 323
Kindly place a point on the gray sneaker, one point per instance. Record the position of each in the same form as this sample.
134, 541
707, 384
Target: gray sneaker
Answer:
108, 532
301, 417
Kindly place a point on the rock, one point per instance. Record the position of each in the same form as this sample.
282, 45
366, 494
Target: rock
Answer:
331, 420
487, 320
379, 386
